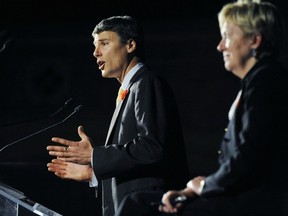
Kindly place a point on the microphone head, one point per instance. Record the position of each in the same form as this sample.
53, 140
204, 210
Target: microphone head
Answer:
78, 108
69, 101
9, 42
62, 107
5, 40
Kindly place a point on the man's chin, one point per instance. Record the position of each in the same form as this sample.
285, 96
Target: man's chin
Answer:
104, 74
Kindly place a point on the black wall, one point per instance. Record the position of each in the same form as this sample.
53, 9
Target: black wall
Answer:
50, 61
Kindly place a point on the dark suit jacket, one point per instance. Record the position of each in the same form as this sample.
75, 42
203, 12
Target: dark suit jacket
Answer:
144, 147
253, 161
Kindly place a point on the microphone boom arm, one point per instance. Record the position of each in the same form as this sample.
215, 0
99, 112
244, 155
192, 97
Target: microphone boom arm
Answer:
77, 109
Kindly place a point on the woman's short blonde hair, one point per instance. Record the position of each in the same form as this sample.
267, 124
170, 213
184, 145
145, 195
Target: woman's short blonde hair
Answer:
255, 17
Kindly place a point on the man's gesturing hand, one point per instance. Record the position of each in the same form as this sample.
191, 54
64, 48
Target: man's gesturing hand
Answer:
73, 151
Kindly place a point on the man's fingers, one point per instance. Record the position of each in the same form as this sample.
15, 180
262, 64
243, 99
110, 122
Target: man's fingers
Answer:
57, 153
59, 162
60, 151
57, 148
60, 140
58, 167
81, 133
61, 174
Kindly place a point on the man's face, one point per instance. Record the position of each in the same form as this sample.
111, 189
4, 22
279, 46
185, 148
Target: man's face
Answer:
111, 54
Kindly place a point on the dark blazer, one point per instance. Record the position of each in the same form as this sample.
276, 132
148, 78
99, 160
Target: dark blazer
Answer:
253, 158
144, 147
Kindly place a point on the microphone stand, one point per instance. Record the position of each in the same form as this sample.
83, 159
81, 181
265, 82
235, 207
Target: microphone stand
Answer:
77, 109
35, 119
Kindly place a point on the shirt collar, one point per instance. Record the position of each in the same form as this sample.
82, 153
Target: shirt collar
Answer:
129, 75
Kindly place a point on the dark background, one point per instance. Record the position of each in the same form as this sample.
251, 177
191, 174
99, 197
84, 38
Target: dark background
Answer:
49, 60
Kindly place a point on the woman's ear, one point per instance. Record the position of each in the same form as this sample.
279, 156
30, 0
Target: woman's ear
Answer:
257, 40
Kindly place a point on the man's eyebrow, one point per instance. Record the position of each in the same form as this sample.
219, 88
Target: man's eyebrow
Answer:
100, 40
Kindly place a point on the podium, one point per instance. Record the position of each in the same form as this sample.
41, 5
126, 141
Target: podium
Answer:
15, 203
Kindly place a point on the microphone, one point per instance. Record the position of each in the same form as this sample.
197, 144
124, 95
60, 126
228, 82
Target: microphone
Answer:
62, 107
77, 109
6, 44
35, 119
5, 40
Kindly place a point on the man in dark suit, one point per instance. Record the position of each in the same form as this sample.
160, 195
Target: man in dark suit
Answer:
144, 141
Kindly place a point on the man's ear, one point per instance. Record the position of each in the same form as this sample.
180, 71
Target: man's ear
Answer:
131, 45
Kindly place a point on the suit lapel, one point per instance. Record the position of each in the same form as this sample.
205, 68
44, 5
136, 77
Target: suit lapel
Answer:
118, 107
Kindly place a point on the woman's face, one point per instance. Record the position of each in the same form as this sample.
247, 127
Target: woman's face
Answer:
236, 49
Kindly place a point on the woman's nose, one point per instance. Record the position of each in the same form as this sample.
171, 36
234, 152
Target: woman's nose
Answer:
220, 46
